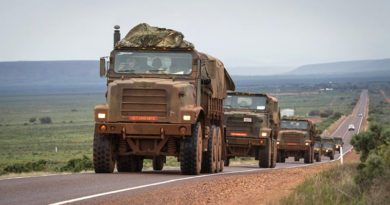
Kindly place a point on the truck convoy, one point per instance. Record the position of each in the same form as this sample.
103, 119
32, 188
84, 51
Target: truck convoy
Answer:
251, 127
164, 98
296, 139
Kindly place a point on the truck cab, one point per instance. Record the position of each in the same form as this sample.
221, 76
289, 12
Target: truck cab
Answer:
251, 121
296, 139
164, 98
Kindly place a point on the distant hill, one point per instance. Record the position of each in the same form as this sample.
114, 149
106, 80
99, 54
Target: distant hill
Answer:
52, 77
32, 76
257, 70
361, 67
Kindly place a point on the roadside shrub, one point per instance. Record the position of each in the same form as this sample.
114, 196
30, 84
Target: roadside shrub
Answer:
337, 115
32, 120
326, 113
45, 120
77, 165
26, 167
374, 147
314, 113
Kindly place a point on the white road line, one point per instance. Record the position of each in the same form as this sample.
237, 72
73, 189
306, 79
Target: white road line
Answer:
345, 119
171, 181
46, 175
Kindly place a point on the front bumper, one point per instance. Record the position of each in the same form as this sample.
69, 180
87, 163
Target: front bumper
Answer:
242, 141
148, 129
295, 146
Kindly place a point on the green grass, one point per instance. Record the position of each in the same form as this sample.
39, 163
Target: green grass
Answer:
338, 101
335, 186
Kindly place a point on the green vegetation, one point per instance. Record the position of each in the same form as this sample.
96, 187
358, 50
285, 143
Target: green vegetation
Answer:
335, 186
328, 102
364, 183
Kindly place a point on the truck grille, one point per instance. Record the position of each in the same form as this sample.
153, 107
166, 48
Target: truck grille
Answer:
237, 124
144, 102
294, 138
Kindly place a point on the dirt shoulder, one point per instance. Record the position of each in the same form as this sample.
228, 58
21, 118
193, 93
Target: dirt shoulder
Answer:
256, 188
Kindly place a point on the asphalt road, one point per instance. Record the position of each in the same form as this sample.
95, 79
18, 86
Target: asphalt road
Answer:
96, 188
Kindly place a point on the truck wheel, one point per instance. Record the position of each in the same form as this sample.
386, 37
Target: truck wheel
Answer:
281, 157
158, 163
296, 159
332, 156
274, 155
311, 155
318, 157
265, 156
123, 164
226, 162
220, 163
210, 157
137, 163
191, 152
307, 156
103, 154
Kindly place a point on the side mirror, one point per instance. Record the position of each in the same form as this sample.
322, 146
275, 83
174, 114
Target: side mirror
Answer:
102, 67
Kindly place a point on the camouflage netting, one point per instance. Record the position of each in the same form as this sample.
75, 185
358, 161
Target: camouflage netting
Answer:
144, 35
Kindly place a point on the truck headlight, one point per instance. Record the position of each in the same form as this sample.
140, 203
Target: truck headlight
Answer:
186, 117
264, 134
247, 119
337, 146
306, 143
277, 142
101, 115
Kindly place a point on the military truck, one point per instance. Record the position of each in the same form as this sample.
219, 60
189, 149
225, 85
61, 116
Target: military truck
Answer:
328, 147
317, 148
251, 121
296, 139
338, 142
164, 98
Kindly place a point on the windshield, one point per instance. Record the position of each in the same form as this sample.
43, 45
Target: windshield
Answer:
317, 144
245, 102
153, 63
327, 144
288, 124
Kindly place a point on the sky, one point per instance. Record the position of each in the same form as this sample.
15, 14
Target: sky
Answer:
275, 33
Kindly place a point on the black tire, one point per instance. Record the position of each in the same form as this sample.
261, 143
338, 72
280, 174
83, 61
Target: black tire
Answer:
103, 154
137, 163
307, 156
226, 162
274, 155
210, 157
220, 163
311, 155
158, 163
332, 156
265, 156
123, 164
281, 157
191, 152
296, 159
318, 157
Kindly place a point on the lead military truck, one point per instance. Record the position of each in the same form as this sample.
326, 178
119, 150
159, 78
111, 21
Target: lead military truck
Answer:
251, 127
296, 139
164, 98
